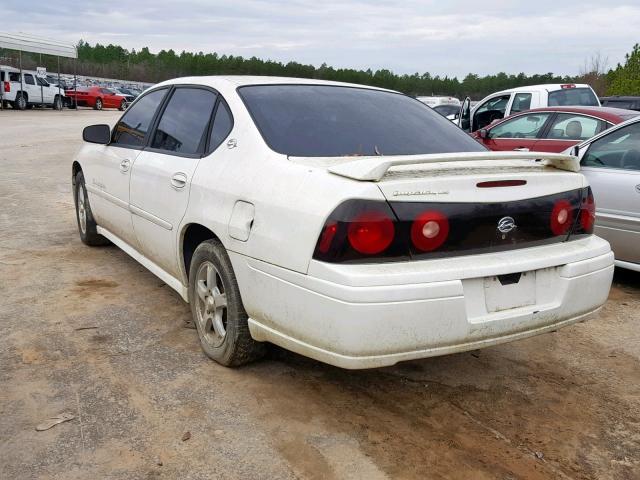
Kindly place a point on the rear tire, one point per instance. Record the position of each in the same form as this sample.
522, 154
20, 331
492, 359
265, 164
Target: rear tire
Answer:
21, 101
87, 226
98, 105
217, 309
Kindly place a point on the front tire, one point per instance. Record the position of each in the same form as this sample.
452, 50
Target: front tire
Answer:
123, 105
217, 309
98, 105
57, 103
87, 226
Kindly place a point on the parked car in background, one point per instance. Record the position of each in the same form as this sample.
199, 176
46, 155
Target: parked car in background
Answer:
283, 210
436, 101
31, 91
450, 112
507, 102
611, 163
627, 102
130, 91
127, 96
552, 129
97, 97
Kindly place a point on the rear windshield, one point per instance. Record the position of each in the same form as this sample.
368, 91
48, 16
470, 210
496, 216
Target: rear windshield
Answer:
573, 96
329, 121
626, 104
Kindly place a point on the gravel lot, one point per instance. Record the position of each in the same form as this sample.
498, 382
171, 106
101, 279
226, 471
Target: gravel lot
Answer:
89, 331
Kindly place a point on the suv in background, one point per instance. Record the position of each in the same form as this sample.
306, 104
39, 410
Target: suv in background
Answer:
626, 102
507, 102
32, 91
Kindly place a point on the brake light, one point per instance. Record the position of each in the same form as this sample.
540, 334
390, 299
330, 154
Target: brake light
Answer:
561, 217
568, 85
588, 212
328, 232
7, 86
429, 231
371, 232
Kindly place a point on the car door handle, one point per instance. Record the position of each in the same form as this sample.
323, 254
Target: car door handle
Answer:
521, 149
124, 165
178, 180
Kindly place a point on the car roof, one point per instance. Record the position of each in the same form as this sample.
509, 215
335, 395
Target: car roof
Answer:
245, 80
605, 113
548, 87
621, 97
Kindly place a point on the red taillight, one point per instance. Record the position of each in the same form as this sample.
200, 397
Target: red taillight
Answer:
568, 85
588, 213
7, 86
429, 231
371, 232
561, 217
326, 237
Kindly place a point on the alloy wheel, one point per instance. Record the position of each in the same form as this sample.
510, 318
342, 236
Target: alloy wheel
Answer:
211, 306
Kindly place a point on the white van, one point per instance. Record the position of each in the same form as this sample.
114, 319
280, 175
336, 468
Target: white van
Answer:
507, 102
32, 91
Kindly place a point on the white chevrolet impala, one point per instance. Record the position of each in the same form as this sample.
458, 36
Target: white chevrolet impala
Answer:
350, 224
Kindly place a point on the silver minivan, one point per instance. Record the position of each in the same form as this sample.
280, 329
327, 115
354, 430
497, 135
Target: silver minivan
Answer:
611, 163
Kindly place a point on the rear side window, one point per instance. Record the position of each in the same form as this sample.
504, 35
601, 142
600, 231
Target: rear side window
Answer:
575, 127
28, 79
185, 121
132, 128
521, 102
14, 77
573, 96
222, 125
323, 120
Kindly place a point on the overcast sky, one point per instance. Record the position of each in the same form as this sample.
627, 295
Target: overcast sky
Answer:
442, 37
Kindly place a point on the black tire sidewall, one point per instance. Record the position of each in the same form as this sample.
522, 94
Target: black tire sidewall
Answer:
237, 347
91, 236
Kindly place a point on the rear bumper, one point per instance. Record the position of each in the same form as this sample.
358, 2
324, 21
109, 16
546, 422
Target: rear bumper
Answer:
363, 316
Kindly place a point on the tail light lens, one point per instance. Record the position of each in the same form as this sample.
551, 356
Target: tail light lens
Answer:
587, 215
371, 232
7, 86
429, 231
561, 217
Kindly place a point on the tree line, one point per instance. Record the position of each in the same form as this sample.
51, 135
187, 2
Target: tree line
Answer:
114, 61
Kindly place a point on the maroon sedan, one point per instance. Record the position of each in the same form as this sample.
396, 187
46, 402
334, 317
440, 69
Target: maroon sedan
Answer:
552, 129
97, 97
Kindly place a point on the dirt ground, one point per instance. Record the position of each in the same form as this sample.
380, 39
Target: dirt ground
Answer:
90, 332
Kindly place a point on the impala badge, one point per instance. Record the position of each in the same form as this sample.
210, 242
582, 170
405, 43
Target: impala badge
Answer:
506, 224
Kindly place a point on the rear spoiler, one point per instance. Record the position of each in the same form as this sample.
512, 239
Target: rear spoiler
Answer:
374, 168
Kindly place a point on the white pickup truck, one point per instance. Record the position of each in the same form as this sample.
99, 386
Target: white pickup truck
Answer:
507, 102
31, 91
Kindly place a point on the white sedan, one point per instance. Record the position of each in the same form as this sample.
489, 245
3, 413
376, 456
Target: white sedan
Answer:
350, 224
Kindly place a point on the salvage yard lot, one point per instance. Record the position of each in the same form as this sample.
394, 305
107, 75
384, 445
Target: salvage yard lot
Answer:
91, 332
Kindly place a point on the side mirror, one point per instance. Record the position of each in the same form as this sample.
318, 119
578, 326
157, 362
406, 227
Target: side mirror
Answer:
483, 133
97, 134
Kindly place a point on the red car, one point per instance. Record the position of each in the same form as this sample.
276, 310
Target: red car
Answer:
552, 129
97, 97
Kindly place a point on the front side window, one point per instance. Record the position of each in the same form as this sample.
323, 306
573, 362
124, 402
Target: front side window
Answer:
521, 102
331, 121
132, 128
524, 126
568, 126
492, 109
573, 96
41, 82
619, 149
28, 79
185, 121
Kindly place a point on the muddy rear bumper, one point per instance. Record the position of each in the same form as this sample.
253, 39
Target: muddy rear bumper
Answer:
370, 316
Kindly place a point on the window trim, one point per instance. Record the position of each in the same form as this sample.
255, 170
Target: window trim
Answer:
160, 112
207, 149
153, 120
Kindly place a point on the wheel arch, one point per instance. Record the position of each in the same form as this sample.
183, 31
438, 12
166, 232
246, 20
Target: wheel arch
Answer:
75, 168
192, 235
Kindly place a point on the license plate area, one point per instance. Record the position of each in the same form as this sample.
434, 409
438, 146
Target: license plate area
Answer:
514, 290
